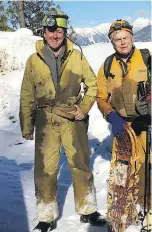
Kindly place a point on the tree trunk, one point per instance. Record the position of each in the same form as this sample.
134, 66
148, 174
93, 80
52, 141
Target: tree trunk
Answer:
20, 5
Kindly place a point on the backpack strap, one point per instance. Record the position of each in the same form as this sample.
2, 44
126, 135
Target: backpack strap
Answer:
145, 55
147, 60
108, 62
107, 65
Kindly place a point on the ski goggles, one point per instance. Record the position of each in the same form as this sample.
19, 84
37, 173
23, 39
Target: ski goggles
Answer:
120, 25
56, 21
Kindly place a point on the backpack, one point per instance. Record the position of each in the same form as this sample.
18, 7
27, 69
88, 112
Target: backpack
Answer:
108, 62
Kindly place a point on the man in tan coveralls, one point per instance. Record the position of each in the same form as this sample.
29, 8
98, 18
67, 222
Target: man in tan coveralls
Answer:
51, 101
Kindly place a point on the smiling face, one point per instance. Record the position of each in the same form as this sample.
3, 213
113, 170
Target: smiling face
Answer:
122, 41
55, 37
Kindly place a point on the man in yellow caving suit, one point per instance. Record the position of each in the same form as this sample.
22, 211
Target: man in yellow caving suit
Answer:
117, 91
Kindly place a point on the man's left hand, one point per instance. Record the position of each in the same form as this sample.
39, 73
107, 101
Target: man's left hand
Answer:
78, 114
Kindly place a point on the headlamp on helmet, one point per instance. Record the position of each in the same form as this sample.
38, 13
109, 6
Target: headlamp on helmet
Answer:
50, 22
55, 18
120, 25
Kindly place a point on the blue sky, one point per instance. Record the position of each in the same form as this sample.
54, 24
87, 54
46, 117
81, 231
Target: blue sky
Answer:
92, 13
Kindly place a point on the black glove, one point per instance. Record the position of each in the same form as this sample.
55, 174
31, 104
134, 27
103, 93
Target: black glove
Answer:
140, 124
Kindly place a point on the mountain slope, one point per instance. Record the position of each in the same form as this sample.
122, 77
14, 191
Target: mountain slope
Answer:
140, 23
144, 34
87, 36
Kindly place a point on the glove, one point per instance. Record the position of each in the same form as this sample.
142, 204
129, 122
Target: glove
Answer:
117, 124
143, 106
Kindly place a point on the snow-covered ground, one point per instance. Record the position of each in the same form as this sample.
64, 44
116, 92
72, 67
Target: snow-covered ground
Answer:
17, 200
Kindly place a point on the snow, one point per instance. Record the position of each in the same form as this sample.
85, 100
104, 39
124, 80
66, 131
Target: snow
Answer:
86, 31
17, 199
16, 49
103, 28
132, 229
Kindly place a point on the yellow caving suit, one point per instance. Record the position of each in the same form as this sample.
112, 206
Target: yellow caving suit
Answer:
46, 106
120, 94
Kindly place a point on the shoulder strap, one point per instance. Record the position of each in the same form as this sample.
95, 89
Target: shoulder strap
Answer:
107, 65
147, 60
145, 55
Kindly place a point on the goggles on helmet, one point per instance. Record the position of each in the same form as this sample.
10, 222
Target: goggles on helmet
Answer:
120, 25
55, 21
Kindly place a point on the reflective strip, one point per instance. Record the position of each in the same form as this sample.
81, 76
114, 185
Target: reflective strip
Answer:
62, 22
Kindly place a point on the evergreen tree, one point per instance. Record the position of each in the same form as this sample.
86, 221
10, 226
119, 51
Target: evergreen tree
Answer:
20, 7
3, 18
28, 13
31, 13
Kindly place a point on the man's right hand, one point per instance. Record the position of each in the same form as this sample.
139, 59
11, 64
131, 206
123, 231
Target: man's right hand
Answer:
78, 114
28, 137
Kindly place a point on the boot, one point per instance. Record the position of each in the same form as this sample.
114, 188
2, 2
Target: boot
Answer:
45, 226
95, 219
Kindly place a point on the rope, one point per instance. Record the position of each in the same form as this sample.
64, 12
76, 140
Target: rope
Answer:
123, 182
